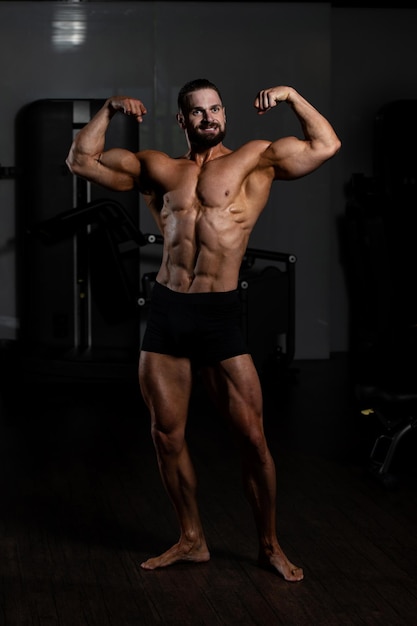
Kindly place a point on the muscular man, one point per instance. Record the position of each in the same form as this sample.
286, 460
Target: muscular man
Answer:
205, 204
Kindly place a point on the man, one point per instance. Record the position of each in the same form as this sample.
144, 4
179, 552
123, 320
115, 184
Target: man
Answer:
205, 204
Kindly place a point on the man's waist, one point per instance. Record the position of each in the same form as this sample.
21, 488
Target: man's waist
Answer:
198, 283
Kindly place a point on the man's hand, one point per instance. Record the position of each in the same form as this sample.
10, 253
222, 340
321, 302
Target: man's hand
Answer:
269, 98
128, 106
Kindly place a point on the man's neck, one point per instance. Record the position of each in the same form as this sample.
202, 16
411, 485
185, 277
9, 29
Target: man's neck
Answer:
201, 156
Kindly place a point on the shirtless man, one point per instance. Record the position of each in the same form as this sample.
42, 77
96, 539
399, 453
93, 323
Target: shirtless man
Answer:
205, 204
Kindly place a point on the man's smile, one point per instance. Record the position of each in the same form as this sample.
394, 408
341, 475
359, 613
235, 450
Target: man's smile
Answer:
209, 129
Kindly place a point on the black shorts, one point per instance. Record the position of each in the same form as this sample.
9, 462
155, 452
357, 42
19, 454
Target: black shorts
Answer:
203, 327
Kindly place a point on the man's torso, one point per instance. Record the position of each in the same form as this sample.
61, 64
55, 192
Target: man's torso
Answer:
206, 214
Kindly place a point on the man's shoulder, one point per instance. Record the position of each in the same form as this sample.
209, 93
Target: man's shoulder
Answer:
151, 155
250, 152
158, 169
155, 161
254, 145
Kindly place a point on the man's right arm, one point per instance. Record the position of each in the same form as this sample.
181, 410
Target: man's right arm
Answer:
116, 169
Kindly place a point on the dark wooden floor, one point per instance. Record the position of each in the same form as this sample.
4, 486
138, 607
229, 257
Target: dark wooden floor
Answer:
82, 506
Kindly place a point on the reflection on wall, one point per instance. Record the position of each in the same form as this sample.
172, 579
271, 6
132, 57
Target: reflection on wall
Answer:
69, 27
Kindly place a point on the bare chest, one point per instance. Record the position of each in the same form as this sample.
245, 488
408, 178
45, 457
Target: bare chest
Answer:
201, 193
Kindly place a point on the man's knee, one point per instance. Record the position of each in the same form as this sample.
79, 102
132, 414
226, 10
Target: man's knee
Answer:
253, 441
168, 443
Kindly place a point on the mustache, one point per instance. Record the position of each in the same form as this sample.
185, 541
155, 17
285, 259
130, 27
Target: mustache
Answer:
209, 125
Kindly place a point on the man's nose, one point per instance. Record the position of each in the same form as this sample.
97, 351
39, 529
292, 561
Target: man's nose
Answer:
208, 116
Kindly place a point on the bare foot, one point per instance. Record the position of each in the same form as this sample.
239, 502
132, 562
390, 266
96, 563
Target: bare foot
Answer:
279, 562
178, 552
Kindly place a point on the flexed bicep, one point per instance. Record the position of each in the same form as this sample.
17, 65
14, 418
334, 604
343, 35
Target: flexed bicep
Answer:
293, 158
116, 169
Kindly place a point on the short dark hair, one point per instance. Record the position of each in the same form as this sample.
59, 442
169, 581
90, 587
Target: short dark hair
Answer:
194, 85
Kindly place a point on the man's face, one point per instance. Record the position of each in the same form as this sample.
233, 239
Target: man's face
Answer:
204, 119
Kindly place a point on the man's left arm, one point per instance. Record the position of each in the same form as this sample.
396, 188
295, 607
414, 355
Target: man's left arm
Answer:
292, 157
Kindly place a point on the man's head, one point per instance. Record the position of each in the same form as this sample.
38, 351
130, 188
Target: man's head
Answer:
194, 85
201, 113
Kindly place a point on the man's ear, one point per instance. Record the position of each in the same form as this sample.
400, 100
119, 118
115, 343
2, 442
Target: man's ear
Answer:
180, 120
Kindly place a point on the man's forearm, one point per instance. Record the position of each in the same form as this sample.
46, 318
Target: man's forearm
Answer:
90, 140
316, 127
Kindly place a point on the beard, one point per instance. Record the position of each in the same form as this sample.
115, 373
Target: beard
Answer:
200, 140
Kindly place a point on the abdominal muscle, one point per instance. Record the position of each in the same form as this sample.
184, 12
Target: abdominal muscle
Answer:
203, 250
